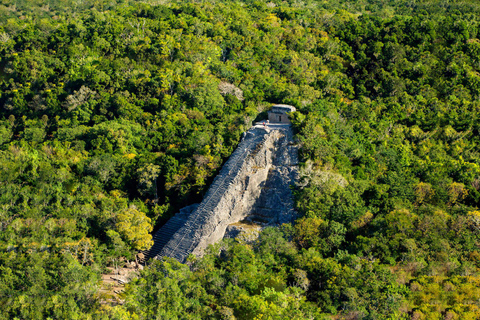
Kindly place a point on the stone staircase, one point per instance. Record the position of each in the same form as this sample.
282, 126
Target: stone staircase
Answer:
179, 236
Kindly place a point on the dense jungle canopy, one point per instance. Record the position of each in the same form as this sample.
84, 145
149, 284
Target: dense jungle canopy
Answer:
115, 114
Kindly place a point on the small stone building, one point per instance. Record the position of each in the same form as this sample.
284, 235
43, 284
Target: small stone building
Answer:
278, 113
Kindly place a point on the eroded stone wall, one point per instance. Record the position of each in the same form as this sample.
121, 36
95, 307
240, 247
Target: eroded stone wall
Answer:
232, 196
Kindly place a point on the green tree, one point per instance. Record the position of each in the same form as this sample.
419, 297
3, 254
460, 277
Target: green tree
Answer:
134, 226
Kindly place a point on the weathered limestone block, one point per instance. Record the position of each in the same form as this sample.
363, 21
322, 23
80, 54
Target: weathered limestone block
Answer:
276, 204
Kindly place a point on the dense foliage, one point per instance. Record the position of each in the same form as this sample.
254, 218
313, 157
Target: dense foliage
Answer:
114, 114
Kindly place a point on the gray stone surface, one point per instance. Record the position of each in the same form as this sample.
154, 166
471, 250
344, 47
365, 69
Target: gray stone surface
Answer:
275, 204
246, 233
253, 184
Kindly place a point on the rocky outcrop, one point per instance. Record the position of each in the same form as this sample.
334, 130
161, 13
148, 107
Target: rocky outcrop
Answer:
240, 190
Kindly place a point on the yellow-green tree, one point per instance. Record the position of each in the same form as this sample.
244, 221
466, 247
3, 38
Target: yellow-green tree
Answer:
135, 227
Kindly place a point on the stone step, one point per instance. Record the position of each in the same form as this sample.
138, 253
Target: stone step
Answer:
167, 230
